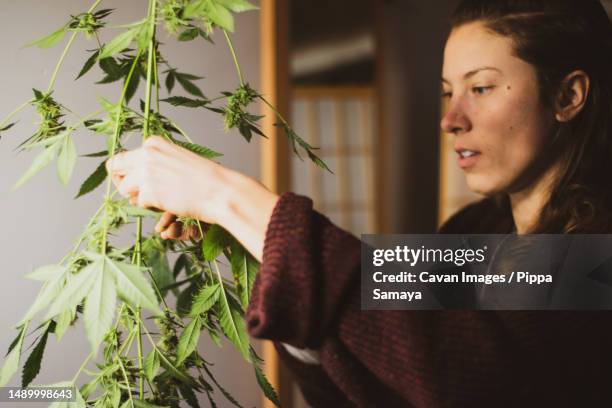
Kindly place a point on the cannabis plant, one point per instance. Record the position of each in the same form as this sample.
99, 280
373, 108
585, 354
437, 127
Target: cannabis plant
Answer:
114, 290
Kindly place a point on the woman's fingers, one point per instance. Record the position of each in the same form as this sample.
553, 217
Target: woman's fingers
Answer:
174, 231
120, 163
164, 222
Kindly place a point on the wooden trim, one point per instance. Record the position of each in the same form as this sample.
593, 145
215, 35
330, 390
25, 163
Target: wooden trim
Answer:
275, 87
275, 169
344, 91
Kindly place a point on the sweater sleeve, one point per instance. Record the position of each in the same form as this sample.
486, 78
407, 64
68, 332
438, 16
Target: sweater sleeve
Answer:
307, 291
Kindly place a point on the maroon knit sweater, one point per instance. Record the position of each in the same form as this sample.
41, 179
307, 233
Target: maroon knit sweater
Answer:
307, 295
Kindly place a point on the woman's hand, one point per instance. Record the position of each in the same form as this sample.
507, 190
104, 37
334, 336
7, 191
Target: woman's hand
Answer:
169, 227
168, 177
165, 176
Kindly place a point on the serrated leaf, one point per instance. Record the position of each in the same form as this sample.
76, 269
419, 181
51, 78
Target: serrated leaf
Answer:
188, 340
244, 270
237, 6
151, 365
66, 160
91, 61
31, 367
46, 273
100, 308
47, 295
132, 285
221, 17
206, 298
215, 241
154, 254
40, 162
185, 81
265, 386
49, 40
63, 321
198, 149
77, 288
186, 102
176, 372
170, 81
94, 180
119, 43
11, 362
132, 87
189, 396
232, 323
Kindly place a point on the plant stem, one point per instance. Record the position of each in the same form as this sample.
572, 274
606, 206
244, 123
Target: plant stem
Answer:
150, 62
65, 52
13, 113
114, 144
231, 47
82, 367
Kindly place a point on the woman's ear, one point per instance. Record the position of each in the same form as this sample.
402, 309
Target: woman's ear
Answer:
572, 96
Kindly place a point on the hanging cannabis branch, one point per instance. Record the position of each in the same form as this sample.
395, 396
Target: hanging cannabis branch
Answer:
112, 289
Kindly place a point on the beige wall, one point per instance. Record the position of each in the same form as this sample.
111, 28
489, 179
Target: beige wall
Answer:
41, 220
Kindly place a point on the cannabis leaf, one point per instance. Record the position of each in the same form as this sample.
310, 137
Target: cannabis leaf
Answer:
186, 102
40, 162
198, 149
11, 363
32, 364
215, 241
151, 365
91, 61
132, 285
205, 299
232, 322
100, 307
66, 160
49, 40
120, 42
244, 270
189, 340
94, 180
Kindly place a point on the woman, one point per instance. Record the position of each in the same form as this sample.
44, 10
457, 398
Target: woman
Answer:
528, 89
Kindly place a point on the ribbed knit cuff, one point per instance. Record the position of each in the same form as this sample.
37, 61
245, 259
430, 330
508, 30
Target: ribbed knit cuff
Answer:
281, 298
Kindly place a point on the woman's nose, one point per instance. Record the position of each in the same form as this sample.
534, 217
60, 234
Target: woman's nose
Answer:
455, 120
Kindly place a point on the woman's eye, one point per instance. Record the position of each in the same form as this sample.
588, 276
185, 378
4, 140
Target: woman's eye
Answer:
480, 90
446, 95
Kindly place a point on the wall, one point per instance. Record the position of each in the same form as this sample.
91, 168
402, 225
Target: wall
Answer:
41, 220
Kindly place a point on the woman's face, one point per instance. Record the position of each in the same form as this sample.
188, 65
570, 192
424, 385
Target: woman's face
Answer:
493, 107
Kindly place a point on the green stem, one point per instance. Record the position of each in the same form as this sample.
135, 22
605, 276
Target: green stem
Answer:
150, 62
114, 144
127, 382
82, 367
231, 47
278, 115
65, 52
13, 113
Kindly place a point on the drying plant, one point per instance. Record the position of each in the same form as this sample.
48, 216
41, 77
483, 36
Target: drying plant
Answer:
114, 290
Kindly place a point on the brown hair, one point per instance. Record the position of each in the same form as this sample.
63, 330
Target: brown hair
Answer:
557, 37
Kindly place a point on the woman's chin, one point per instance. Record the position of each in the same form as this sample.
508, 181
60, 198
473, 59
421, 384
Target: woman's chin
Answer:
483, 185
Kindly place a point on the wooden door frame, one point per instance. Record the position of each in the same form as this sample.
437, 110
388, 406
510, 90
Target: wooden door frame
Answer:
275, 164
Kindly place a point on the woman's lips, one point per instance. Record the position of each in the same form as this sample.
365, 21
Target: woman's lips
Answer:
467, 158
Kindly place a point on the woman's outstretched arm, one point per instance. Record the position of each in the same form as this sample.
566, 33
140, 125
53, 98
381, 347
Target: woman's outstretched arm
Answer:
167, 177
